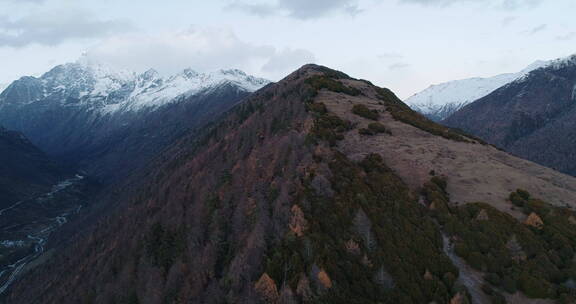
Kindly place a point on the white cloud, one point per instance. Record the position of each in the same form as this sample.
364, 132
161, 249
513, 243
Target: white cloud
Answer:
299, 9
260, 10
199, 48
500, 4
398, 66
385, 56
568, 36
56, 27
22, 1
537, 29
517, 4
508, 20
287, 60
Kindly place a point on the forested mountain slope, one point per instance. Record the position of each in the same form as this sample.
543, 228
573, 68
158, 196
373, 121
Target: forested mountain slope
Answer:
325, 189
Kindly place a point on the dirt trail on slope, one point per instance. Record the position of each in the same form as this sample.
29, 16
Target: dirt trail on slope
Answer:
468, 277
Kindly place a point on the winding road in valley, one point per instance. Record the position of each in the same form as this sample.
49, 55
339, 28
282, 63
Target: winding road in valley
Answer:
31, 223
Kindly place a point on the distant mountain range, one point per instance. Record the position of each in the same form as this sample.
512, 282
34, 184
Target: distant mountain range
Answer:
533, 117
106, 121
99, 87
440, 101
323, 188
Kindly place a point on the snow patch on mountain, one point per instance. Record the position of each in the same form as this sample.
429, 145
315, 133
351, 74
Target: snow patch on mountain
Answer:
151, 90
440, 101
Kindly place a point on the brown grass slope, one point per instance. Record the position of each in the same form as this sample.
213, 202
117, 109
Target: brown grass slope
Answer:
307, 192
476, 172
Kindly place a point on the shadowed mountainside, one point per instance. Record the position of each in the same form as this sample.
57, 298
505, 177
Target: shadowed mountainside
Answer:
533, 117
24, 170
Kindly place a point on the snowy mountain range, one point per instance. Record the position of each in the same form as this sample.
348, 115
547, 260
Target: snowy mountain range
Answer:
109, 90
101, 119
437, 102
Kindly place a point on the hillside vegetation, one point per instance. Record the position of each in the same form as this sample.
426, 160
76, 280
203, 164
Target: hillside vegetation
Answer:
286, 200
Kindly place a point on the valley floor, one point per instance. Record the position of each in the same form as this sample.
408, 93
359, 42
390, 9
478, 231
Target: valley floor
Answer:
27, 225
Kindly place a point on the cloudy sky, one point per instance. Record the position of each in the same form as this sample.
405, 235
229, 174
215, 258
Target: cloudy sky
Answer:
405, 45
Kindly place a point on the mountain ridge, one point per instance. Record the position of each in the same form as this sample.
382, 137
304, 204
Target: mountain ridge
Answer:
440, 101
531, 117
317, 188
110, 90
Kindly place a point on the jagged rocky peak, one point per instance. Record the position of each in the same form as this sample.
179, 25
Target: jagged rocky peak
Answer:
78, 80
190, 73
150, 74
97, 85
232, 72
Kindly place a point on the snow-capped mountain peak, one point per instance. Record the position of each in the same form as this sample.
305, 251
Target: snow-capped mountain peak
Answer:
152, 90
189, 73
149, 75
438, 102
107, 89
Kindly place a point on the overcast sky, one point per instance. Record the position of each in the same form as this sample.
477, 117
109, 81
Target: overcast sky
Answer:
405, 45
